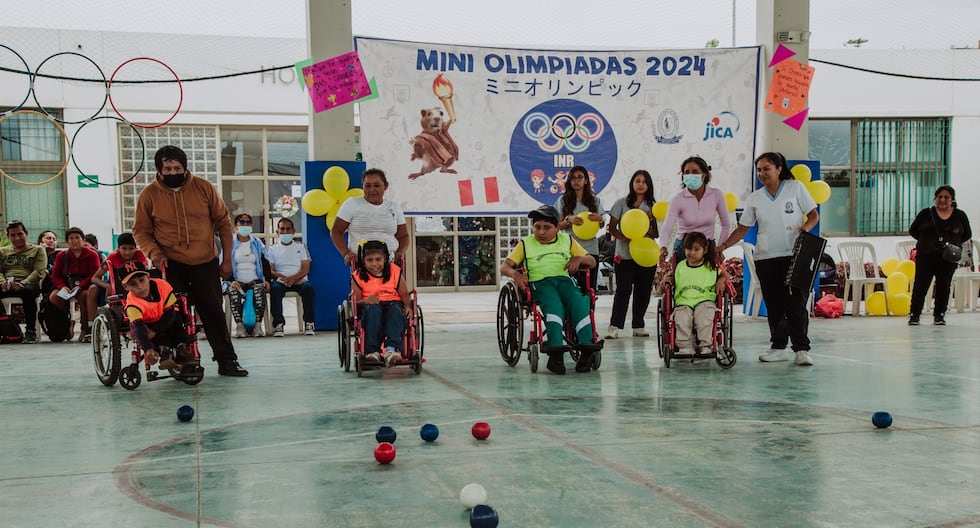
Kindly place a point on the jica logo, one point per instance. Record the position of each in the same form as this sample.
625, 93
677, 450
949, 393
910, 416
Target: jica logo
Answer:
722, 126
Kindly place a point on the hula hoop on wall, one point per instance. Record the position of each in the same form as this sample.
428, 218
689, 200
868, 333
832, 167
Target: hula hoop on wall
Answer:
40, 106
30, 81
97, 182
63, 135
180, 88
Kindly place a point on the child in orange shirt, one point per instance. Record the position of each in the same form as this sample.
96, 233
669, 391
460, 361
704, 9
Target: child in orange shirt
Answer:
382, 301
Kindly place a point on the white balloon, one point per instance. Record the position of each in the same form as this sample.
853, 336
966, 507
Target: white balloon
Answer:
471, 495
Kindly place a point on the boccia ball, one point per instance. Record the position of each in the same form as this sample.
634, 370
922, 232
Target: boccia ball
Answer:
384, 453
881, 419
429, 432
481, 430
483, 516
386, 434
471, 495
185, 413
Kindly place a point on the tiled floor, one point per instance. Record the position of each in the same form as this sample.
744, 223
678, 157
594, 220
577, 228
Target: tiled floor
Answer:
633, 444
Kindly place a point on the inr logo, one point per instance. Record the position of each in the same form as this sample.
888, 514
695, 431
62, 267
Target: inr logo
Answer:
722, 126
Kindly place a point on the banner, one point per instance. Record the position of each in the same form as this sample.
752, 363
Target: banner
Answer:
474, 130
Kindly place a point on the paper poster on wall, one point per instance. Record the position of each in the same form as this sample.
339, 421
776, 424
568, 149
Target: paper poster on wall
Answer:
336, 81
467, 130
789, 89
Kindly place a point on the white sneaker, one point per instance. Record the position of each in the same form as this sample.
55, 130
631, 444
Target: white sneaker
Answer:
775, 354
240, 330
640, 332
803, 359
612, 332
308, 329
279, 331
392, 357
373, 356
259, 330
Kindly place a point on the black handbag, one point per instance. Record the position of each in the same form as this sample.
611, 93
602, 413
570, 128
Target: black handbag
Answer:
951, 253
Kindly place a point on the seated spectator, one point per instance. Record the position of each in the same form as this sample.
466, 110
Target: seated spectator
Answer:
116, 262
70, 278
290, 264
247, 274
157, 324
22, 266
49, 241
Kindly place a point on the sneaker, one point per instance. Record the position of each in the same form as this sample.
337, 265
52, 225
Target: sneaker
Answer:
240, 330
612, 332
584, 363
803, 359
775, 354
30, 336
392, 357
640, 332
185, 357
373, 356
556, 363
167, 359
259, 330
939, 320
308, 329
913, 320
279, 331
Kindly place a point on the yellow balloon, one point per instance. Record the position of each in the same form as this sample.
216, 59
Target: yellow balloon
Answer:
351, 193
876, 304
588, 229
889, 266
336, 181
645, 252
907, 268
316, 202
332, 215
802, 172
899, 303
634, 224
659, 210
819, 190
897, 283
731, 201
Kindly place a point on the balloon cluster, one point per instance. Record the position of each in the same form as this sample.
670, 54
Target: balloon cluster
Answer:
899, 278
327, 201
819, 189
634, 225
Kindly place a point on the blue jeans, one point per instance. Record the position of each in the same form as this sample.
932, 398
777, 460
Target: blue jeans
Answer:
278, 292
384, 321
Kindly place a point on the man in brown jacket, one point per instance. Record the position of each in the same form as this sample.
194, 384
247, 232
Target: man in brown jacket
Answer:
177, 217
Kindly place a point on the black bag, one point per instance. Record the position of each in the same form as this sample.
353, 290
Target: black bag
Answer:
55, 323
10, 330
951, 252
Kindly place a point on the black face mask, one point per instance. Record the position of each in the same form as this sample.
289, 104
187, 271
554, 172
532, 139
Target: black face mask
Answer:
174, 181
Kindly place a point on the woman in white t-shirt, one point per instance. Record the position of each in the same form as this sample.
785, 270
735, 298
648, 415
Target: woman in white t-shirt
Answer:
779, 208
371, 217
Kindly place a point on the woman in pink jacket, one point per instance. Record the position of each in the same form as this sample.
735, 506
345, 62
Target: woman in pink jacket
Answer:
695, 208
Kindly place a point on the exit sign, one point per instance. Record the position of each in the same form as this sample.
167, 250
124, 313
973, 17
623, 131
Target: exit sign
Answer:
88, 181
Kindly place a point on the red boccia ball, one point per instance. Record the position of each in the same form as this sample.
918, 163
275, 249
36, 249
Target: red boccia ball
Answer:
481, 430
384, 453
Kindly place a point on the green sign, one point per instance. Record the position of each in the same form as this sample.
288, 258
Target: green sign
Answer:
88, 181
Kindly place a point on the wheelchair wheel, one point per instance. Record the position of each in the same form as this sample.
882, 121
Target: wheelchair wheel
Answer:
510, 324
726, 354
359, 364
106, 347
130, 377
532, 356
419, 334
192, 376
343, 334
596, 359
726, 357
661, 328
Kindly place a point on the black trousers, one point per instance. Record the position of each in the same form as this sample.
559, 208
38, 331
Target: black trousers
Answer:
788, 320
28, 298
631, 278
928, 267
202, 282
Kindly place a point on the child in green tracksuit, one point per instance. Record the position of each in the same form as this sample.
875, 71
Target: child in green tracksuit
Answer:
551, 257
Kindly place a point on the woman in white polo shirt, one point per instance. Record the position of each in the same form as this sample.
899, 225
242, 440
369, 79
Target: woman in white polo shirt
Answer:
779, 208
371, 217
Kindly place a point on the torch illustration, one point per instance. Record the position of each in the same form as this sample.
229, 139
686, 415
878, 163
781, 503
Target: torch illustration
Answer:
444, 91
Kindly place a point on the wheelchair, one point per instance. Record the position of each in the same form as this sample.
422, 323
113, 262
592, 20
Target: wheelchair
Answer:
350, 338
514, 306
718, 348
111, 332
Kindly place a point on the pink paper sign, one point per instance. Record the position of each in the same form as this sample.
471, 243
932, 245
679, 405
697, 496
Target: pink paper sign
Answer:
336, 81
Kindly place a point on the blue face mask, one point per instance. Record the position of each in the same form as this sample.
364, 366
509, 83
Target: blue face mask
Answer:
693, 181
286, 238
245, 230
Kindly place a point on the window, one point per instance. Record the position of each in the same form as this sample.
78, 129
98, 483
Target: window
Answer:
32, 150
881, 172
456, 251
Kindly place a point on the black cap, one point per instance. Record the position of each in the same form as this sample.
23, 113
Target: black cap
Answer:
132, 269
545, 212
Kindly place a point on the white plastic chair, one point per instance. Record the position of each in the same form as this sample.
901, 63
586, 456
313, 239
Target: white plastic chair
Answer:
854, 254
752, 303
966, 281
904, 249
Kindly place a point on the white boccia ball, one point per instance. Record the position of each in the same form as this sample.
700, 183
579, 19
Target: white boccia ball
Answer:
471, 495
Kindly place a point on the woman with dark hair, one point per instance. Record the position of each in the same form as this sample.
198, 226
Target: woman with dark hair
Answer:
48, 239
247, 274
932, 229
632, 278
579, 198
695, 208
783, 209
370, 217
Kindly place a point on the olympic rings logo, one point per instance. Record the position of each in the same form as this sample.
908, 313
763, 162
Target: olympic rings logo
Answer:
563, 130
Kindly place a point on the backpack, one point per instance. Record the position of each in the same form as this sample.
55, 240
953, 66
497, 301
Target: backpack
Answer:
10, 330
54, 322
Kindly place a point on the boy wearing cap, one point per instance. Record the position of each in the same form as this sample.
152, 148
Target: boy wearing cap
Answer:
551, 257
151, 307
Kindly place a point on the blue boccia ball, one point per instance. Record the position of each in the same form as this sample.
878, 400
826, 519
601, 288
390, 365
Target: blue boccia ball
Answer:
185, 413
385, 434
881, 419
429, 432
483, 516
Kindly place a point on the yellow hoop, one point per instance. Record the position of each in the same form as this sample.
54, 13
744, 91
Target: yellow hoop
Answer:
64, 136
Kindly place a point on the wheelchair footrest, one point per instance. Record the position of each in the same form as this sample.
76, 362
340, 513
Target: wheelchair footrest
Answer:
583, 347
547, 349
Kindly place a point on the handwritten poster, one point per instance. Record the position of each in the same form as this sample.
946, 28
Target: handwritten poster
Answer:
335, 82
790, 88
